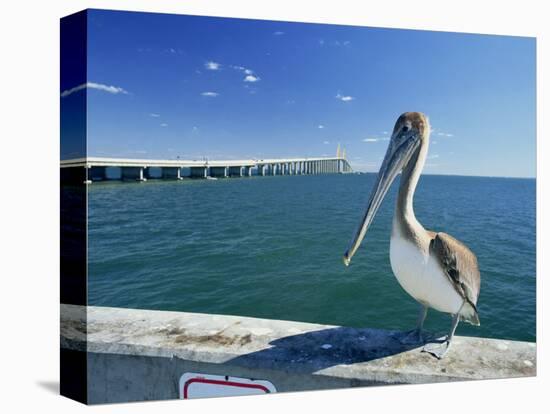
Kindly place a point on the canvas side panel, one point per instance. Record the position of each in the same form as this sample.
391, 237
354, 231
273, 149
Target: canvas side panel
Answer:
73, 194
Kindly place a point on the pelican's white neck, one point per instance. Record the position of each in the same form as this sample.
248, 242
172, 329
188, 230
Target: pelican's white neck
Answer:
404, 212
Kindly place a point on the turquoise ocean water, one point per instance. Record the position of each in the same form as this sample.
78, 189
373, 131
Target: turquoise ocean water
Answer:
271, 247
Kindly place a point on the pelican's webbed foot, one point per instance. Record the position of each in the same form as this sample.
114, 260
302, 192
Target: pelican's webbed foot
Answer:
438, 349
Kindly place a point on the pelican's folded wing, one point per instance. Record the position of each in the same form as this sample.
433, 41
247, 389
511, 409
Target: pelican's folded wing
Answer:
460, 265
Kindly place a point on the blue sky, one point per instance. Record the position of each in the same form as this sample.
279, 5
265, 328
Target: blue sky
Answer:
162, 86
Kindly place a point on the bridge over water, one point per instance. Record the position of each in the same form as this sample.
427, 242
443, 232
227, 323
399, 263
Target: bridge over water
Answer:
92, 169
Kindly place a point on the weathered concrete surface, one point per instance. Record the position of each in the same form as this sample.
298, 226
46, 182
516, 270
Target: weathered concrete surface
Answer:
140, 354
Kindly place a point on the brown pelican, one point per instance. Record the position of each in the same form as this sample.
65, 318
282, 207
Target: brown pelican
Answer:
434, 268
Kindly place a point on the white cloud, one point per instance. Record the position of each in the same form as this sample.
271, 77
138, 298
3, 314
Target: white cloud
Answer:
326, 142
344, 98
321, 126
321, 42
210, 94
163, 125
212, 65
92, 85
154, 115
445, 134
375, 139
278, 33
385, 132
433, 157
251, 78
243, 69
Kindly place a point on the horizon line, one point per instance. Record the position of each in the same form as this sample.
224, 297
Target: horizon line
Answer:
466, 175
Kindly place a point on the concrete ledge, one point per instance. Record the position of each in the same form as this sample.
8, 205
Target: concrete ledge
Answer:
140, 354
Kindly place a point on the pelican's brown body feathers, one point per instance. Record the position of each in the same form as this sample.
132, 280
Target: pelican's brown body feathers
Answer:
460, 265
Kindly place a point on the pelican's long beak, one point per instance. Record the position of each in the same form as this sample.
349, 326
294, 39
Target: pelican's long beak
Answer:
397, 156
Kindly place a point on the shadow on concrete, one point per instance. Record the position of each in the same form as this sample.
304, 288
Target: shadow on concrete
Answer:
51, 386
313, 351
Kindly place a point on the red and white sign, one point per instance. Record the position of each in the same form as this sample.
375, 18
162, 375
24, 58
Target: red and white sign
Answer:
194, 385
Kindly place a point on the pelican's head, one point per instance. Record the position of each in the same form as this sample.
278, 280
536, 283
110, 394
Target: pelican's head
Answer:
410, 130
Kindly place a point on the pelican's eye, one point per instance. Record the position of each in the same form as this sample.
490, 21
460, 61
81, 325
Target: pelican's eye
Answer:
406, 128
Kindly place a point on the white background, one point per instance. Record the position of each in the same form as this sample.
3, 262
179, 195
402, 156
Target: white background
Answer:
29, 240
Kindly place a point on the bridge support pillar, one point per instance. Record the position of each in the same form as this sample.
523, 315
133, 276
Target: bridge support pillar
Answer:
198, 172
218, 172
146, 173
235, 171
133, 173
171, 173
